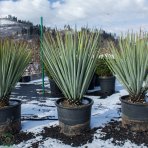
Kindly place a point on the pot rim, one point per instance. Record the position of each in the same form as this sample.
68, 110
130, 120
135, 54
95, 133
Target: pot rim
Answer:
25, 76
123, 99
91, 102
106, 77
13, 105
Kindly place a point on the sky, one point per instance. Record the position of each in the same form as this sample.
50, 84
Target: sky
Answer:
111, 15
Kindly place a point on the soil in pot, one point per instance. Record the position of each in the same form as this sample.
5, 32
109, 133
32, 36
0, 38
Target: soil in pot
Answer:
107, 85
73, 119
134, 115
4, 101
10, 117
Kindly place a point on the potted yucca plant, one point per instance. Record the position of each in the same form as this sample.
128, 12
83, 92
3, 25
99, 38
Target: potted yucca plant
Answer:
71, 60
106, 77
130, 66
55, 91
14, 57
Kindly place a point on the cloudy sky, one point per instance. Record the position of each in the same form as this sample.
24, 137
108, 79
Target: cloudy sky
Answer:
111, 15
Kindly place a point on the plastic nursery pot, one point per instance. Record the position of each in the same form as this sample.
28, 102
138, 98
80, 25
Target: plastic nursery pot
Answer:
25, 79
92, 83
54, 88
10, 117
20, 79
107, 85
97, 82
74, 120
134, 116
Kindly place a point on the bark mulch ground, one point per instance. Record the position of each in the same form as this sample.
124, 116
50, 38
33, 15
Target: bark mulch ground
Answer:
9, 139
79, 140
114, 130
48, 132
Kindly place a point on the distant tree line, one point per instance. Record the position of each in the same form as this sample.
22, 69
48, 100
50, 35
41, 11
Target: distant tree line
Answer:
28, 27
31, 29
13, 18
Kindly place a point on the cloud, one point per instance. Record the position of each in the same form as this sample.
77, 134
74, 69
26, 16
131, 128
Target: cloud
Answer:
112, 15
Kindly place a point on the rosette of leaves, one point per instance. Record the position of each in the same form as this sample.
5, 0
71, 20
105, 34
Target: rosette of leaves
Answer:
130, 64
14, 58
71, 59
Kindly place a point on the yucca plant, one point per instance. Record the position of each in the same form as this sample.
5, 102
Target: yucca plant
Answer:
71, 60
14, 57
130, 65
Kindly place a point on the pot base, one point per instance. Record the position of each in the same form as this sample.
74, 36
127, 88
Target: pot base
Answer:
134, 125
10, 117
10, 127
73, 130
134, 116
107, 85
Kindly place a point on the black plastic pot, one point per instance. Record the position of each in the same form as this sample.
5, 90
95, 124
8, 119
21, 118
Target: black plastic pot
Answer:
92, 83
10, 117
54, 88
134, 116
107, 85
97, 82
74, 120
25, 79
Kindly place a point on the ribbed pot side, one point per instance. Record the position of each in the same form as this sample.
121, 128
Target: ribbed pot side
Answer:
10, 117
97, 81
107, 85
134, 116
74, 120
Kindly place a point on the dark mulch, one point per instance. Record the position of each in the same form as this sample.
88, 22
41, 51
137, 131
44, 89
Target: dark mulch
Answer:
112, 130
54, 132
9, 139
119, 134
23, 136
35, 144
49, 132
